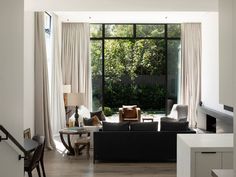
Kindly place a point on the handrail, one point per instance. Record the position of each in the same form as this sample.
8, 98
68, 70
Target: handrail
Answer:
8, 135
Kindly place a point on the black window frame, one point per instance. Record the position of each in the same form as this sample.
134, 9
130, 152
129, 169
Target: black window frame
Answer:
134, 37
48, 30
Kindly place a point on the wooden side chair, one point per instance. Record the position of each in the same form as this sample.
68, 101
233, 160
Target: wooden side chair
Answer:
41, 140
33, 162
80, 144
27, 133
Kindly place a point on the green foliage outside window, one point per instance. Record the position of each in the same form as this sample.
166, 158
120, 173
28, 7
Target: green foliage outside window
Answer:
134, 69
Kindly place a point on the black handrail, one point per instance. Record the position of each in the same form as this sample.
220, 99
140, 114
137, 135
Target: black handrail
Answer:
8, 135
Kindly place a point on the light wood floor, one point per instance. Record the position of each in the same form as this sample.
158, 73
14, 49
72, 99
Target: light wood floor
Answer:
58, 164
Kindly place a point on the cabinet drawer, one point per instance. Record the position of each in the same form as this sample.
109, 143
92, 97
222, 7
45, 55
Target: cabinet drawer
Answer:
227, 160
205, 161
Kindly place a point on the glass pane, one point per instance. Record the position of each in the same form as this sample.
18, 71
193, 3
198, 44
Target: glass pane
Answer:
118, 30
135, 74
150, 74
173, 64
47, 23
96, 30
174, 30
96, 64
150, 31
117, 59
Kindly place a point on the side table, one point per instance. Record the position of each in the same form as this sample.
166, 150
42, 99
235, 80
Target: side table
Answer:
71, 131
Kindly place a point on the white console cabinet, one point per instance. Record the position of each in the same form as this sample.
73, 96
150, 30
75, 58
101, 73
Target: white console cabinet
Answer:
198, 154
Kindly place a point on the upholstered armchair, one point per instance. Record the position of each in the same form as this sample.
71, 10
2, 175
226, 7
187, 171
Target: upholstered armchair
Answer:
129, 113
179, 112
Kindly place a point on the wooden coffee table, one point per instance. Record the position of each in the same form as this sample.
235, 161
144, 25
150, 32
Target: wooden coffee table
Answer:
69, 132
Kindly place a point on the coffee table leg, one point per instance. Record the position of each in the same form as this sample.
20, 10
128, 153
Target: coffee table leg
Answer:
67, 146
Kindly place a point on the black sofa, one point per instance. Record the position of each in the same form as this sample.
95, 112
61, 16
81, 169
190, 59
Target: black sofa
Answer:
142, 146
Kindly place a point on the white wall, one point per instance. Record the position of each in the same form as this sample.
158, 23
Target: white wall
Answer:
29, 71
11, 83
210, 63
226, 52
234, 77
122, 5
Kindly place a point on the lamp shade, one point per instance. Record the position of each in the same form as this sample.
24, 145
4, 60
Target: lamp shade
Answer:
66, 88
74, 99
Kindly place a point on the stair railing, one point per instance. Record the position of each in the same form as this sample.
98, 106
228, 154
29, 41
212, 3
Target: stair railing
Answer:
10, 137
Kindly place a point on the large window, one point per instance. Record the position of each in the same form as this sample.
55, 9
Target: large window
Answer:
135, 64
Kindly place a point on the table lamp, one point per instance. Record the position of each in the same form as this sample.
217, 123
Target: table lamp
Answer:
66, 91
75, 99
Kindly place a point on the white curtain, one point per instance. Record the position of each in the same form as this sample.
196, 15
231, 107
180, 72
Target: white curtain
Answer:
42, 107
76, 59
57, 101
190, 89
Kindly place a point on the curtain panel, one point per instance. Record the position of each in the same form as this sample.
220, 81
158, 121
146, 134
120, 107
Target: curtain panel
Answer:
42, 105
57, 101
190, 88
76, 65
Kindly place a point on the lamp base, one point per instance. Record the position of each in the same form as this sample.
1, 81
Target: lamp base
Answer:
76, 117
76, 122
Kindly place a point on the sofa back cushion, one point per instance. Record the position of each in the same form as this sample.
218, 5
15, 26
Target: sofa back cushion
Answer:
122, 126
144, 126
174, 126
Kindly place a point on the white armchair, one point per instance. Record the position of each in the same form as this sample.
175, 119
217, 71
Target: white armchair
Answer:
179, 112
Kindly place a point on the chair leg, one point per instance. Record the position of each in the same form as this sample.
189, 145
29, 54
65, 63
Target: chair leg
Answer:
88, 148
38, 170
76, 149
29, 173
42, 166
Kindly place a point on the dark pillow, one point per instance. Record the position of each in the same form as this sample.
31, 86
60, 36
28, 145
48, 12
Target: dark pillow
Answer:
173, 126
88, 121
99, 114
144, 126
94, 121
108, 126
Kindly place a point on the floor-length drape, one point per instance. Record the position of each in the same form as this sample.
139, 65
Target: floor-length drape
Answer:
76, 59
190, 89
57, 101
42, 110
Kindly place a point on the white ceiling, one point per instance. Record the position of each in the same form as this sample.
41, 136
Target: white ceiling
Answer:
132, 17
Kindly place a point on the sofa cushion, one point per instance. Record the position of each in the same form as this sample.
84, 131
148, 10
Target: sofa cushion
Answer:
144, 126
173, 126
99, 114
122, 126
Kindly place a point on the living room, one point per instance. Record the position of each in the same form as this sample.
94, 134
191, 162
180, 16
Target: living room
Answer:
205, 13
